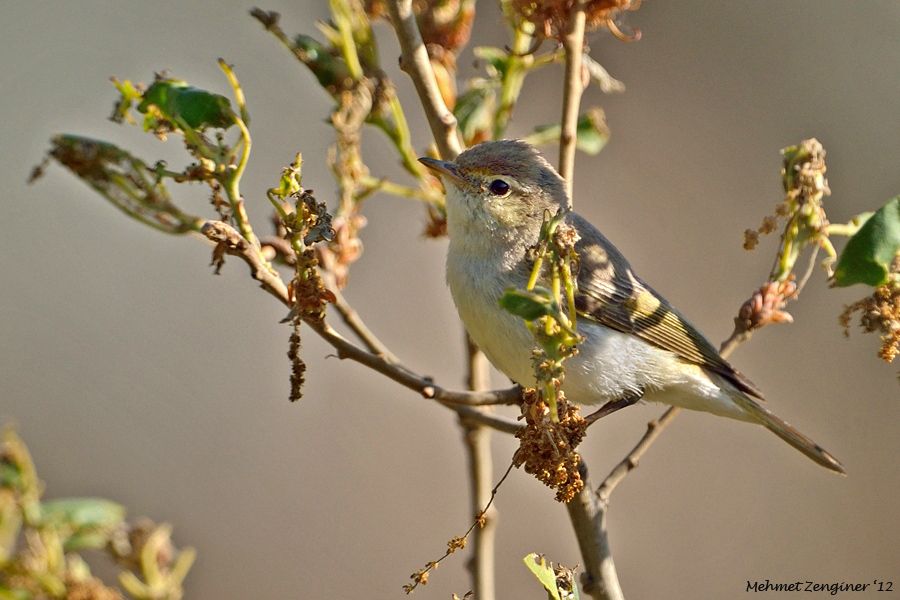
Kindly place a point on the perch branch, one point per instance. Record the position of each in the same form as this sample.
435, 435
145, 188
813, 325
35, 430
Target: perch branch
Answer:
230, 242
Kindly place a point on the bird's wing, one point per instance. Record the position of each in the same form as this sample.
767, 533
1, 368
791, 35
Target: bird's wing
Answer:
620, 300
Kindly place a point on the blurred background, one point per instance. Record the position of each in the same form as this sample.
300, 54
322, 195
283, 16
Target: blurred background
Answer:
134, 373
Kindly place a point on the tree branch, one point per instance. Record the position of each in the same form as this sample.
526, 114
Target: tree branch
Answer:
588, 510
416, 63
229, 241
477, 439
352, 319
573, 43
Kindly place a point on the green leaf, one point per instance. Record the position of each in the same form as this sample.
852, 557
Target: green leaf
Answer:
497, 60
82, 512
330, 70
12, 594
868, 255
83, 522
591, 133
9, 476
544, 573
179, 102
527, 305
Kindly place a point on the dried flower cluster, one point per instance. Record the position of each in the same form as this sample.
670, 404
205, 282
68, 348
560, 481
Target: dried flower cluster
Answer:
547, 448
551, 17
311, 223
880, 313
420, 577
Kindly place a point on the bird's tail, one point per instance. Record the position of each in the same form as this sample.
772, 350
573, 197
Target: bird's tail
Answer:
789, 433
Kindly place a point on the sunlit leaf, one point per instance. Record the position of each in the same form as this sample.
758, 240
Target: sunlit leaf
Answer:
527, 305
591, 132
82, 512
868, 254
544, 573
176, 102
85, 522
497, 60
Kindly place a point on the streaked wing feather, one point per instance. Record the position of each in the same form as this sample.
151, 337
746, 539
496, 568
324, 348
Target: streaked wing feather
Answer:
622, 301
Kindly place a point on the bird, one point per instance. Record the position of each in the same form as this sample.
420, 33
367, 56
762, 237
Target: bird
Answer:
635, 343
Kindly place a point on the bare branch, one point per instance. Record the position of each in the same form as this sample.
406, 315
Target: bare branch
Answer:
573, 43
352, 319
416, 63
477, 439
588, 517
229, 241
630, 462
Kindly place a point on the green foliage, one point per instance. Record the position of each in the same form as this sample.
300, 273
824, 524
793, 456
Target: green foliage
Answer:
83, 522
40, 541
527, 305
176, 101
591, 132
172, 104
868, 255
558, 581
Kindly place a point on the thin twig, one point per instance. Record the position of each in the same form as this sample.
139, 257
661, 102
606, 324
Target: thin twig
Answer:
809, 270
231, 242
630, 462
416, 63
655, 428
352, 320
588, 517
477, 438
420, 577
407, 378
573, 43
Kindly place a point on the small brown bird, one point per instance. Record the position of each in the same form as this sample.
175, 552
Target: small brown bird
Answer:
635, 343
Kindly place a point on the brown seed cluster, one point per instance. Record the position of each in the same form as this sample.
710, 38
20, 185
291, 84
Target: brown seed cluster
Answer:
880, 313
547, 449
551, 17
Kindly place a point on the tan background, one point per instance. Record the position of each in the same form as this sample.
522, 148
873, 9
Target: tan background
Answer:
135, 374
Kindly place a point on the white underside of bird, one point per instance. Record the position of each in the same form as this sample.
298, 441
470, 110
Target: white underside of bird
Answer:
610, 364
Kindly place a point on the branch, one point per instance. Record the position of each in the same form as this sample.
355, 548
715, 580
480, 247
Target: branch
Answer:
229, 241
352, 319
573, 43
630, 462
588, 510
417, 65
477, 439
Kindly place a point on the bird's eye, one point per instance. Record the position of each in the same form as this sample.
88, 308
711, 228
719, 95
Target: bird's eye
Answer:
499, 187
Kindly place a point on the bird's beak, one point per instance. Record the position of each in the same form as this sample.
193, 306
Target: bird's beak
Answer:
446, 168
